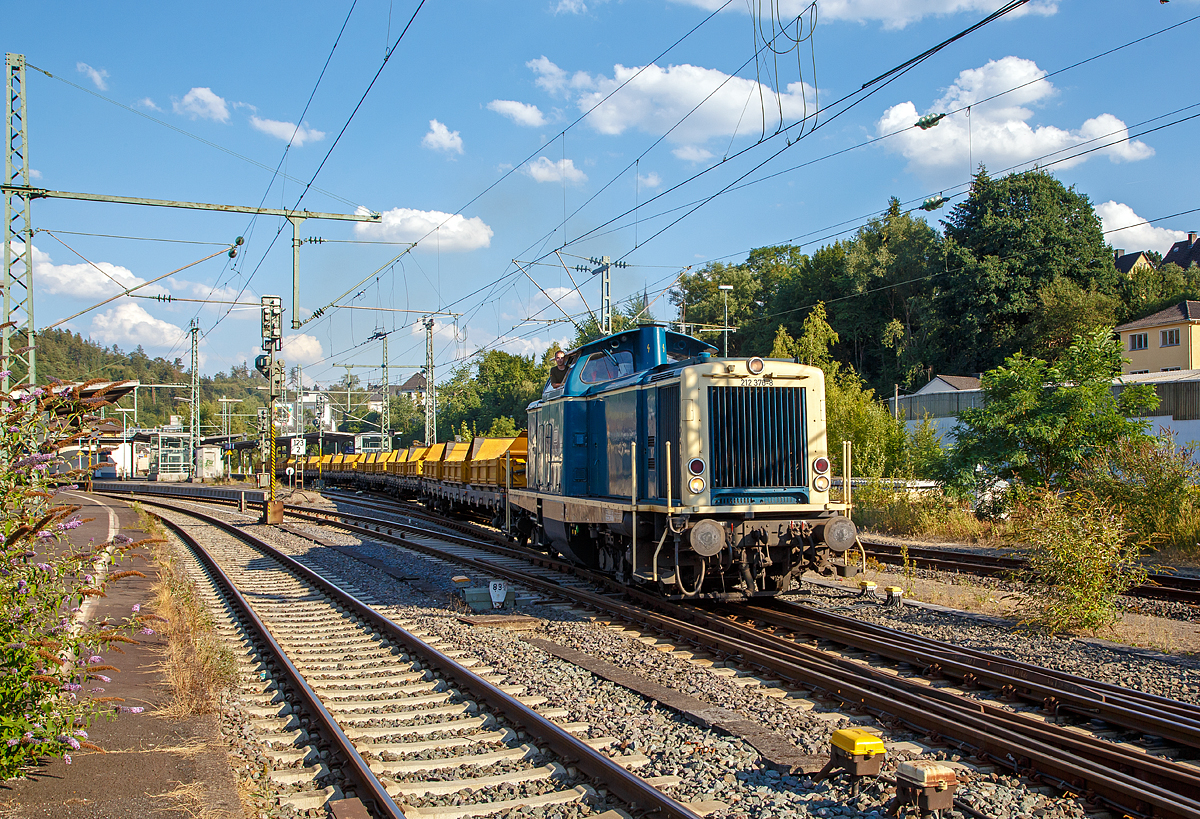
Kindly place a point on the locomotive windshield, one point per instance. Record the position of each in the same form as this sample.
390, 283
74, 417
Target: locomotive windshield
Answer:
605, 366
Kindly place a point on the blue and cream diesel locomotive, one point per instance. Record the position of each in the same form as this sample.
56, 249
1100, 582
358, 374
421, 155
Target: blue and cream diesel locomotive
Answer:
653, 460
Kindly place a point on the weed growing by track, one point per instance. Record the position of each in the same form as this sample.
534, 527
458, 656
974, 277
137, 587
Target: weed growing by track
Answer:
1081, 560
51, 668
198, 665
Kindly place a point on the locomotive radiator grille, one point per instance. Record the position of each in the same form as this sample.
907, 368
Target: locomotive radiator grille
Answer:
757, 437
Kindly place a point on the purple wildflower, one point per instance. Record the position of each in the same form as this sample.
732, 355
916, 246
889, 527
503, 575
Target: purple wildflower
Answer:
67, 758
81, 733
72, 687
28, 736
13, 742
73, 523
45, 534
87, 578
95, 658
137, 607
45, 567
96, 690
146, 631
137, 709
103, 677
5, 373
74, 743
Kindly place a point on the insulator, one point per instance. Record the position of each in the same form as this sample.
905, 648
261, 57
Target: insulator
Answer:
929, 120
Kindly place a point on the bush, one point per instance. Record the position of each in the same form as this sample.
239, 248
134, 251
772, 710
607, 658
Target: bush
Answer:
1081, 559
49, 661
1153, 484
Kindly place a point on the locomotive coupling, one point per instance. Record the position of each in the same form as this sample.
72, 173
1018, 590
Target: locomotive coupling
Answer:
837, 532
707, 538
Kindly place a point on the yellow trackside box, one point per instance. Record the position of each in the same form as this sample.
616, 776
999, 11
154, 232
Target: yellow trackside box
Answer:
857, 742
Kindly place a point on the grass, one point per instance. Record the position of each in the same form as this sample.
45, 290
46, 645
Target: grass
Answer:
923, 516
198, 665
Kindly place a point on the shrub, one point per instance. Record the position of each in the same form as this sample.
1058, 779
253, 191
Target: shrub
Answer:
1081, 559
1153, 483
49, 661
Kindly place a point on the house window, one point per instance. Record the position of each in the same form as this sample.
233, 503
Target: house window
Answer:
1170, 369
1137, 372
1170, 338
1139, 341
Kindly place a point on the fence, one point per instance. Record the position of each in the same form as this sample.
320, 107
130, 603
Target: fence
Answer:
1178, 399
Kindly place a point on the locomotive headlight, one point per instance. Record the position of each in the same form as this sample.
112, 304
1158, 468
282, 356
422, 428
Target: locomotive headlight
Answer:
821, 483
755, 365
821, 466
696, 466
696, 486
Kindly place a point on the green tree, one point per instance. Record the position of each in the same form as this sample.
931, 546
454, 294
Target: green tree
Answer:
1012, 237
1041, 419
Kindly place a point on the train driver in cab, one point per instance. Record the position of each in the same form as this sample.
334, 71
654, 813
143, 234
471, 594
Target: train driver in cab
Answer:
558, 373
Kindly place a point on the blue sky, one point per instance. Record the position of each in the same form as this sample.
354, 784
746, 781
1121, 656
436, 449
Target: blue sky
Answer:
460, 145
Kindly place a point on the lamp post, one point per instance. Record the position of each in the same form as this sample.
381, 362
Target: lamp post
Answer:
725, 288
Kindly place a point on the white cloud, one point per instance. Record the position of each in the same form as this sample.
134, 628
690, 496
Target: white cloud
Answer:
554, 80
997, 133
96, 75
657, 98
146, 102
302, 349
519, 112
546, 170
570, 7
409, 225
441, 138
83, 280
129, 324
34, 173
690, 153
535, 347
202, 103
287, 131
1122, 229
891, 13
650, 180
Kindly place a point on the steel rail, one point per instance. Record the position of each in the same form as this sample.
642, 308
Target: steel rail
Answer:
1028, 748
1160, 585
627, 786
1019, 745
1056, 692
1016, 667
360, 772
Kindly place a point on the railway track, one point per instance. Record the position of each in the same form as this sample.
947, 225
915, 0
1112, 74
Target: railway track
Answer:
1107, 774
1161, 586
330, 673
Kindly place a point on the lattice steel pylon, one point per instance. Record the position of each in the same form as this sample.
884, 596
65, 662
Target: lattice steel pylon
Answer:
194, 426
16, 338
385, 415
430, 395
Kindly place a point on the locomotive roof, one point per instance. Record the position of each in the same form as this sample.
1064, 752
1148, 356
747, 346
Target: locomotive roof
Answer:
654, 334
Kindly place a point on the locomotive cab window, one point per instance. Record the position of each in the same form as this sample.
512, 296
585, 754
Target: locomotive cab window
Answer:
605, 366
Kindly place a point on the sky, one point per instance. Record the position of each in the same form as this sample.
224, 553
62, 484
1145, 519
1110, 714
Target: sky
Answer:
504, 144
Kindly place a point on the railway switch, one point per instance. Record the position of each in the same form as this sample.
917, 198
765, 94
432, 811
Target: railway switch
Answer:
925, 784
855, 751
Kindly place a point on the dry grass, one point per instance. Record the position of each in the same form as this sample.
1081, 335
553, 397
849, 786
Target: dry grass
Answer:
927, 516
190, 798
198, 665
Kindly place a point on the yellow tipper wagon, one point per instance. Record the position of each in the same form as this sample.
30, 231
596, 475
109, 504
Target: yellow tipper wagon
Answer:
415, 464
455, 462
433, 462
487, 465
